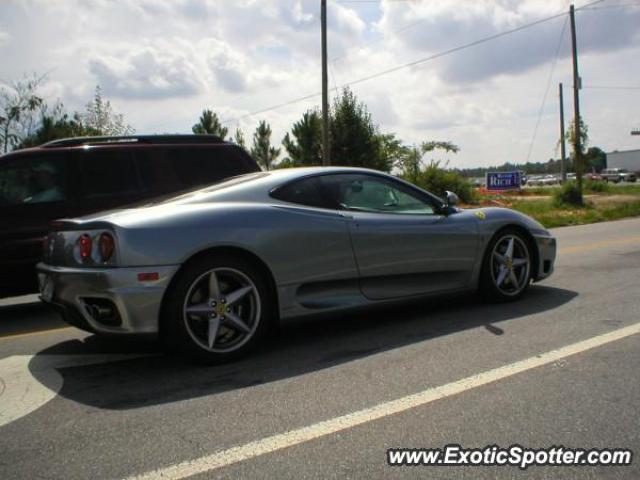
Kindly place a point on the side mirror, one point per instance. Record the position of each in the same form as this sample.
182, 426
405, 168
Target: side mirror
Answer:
451, 199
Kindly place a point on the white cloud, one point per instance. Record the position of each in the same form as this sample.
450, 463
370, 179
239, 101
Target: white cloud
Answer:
161, 63
4, 38
148, 73
299, 15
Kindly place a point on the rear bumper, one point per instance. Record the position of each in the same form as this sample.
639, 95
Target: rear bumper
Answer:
136, 304
546, 256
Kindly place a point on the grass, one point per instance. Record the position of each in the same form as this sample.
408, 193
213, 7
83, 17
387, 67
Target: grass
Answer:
603, 202
550, 215
589, 187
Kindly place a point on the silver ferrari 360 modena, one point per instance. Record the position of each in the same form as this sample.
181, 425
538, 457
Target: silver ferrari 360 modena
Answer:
211, 270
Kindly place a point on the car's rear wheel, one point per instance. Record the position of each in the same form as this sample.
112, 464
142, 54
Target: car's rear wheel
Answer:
507, 266
218, 309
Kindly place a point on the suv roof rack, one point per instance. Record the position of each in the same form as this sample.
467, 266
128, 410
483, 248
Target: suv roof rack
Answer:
126, 139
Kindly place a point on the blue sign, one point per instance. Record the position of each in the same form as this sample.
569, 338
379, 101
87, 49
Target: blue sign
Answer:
503, 180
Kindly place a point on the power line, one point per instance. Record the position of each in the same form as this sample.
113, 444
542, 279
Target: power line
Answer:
605, 87
378, 1
415, 62
620, 5
379, 40
546, 91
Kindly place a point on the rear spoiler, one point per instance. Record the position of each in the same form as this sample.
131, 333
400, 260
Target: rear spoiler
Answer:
63, 225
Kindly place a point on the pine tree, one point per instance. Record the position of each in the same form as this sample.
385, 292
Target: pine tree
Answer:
262, 151
208, 123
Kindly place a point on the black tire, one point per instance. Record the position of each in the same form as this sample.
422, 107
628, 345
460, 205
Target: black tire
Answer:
181, 331
487, 283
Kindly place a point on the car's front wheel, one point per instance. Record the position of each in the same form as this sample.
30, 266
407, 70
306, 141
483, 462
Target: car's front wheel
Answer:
217, 309
507, 266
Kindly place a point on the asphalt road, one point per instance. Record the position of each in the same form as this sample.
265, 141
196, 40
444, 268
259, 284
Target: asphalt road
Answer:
328, 397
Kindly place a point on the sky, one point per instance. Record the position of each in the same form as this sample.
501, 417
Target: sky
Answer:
161, 62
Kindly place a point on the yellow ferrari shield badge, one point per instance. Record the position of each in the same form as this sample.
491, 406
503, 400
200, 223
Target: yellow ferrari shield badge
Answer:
480, 215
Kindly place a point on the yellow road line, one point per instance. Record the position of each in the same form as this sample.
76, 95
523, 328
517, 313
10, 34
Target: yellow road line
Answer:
30, 334
597, 245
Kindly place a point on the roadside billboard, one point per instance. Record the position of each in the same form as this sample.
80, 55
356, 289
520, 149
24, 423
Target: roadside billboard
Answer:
503, 181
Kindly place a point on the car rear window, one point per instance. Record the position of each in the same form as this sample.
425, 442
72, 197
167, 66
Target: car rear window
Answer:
307, 192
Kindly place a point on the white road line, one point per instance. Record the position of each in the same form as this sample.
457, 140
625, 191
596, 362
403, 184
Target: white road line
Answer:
27, 382
280, 441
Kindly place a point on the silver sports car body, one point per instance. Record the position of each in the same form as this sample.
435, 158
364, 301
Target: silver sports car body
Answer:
211, 269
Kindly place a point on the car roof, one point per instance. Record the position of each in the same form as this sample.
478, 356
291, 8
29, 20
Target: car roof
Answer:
299, 172
261, 184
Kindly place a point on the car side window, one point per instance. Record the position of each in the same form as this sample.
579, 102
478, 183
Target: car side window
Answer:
33, 181
368, 193
307, 192
108, 172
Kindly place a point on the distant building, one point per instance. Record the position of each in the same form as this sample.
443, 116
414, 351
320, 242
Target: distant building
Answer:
629, 159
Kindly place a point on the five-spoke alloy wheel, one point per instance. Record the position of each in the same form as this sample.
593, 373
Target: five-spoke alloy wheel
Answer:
217, 309
222, 309
506, 271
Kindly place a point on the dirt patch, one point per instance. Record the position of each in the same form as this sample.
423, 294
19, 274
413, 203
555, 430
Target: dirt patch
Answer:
603, 200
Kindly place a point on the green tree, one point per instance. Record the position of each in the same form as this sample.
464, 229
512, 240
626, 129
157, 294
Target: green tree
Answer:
596, 159
57, 125
262, 151
239, 138
354, 137
577, 157
392, 151
100, 118
208, 123
432, 175
412, 163
570, 136
304, 144
19, 105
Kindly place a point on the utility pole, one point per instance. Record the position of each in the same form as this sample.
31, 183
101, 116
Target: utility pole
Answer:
563, 153
576, 103
326, 149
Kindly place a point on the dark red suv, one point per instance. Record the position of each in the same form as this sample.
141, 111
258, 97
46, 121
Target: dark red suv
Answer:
73, 177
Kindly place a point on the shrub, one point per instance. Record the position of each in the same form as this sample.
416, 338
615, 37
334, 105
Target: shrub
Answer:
568, 194
437, 180
595, 186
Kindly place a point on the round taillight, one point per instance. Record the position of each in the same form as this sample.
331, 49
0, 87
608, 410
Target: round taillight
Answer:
84, 242
106, 245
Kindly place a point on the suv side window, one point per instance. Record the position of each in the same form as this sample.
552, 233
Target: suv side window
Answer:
155, 169
307, 192
37, 180
196, 166
107, 172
